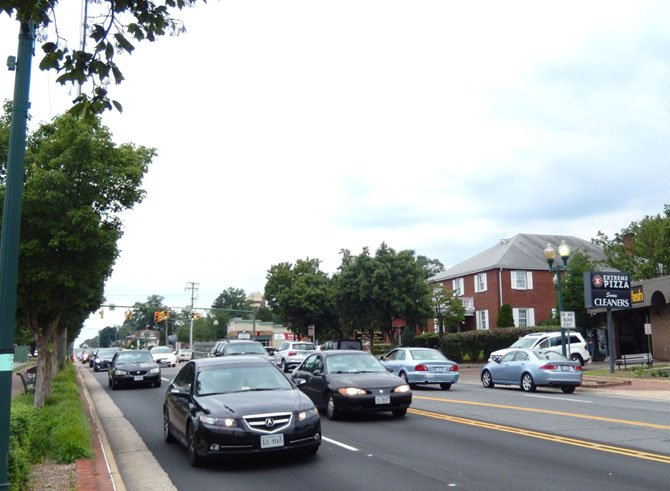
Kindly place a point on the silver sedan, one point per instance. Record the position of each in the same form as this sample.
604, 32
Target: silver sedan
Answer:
530, 369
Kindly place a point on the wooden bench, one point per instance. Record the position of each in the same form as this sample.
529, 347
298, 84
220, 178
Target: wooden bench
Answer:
29, 379
635, 359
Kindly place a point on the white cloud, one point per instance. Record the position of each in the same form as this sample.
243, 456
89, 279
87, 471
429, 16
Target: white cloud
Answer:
288, 130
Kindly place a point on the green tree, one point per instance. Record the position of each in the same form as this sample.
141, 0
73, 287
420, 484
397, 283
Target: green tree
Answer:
505, 316
448, 310
430, 267
142, 313
301, 295
77, 183
371, 292
114, 27
642, 248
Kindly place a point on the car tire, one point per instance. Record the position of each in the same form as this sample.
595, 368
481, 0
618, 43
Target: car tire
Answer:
399, 413
167, 434
95, 368
576, 357
157, 384
487, 380
112, 383
445, 386
332, 411
568, 389
527, 383
194, 457
403, 376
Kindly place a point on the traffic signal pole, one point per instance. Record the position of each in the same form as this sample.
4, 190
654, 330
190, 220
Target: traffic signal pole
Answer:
11, 229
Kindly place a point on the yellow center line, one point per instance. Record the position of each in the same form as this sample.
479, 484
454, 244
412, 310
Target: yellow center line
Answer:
665, 459
548, 411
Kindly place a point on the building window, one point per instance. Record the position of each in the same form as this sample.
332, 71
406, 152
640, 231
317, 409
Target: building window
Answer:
523, 317
457, 286
480, 282
522, 280
482, 317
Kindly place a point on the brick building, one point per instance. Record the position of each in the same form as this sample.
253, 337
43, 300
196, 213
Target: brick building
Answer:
513, 272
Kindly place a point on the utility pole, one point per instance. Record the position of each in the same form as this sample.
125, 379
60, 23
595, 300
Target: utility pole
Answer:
194, 288
11, 229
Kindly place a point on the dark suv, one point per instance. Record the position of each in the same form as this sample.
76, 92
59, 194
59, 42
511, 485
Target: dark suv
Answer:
343, 344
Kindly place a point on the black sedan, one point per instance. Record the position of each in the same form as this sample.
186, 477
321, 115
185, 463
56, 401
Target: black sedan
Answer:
103, 358
240, 405
133, 368
351, 381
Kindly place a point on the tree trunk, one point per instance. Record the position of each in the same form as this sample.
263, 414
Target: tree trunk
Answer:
46, 365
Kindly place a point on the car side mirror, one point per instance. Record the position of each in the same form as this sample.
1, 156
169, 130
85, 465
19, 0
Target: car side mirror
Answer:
317, 373
299, 381
389, 369
178, 391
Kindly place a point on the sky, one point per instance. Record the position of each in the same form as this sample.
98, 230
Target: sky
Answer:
295, 129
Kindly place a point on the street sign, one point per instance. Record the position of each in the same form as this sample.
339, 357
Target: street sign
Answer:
647, 328
310, 330
568, 320
244, 335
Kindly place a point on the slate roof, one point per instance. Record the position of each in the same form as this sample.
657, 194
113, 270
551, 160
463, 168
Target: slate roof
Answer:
523, 251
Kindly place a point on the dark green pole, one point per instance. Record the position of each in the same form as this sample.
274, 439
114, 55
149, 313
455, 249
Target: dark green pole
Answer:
564, 351
9, 242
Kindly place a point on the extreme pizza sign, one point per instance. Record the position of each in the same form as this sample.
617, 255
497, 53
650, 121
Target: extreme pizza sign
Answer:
606, 290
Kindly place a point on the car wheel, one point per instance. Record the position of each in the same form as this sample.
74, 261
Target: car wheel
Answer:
527, 382
192, 448
109, 381
577, 358
282, 365
399, 413
445, 386
403, 376
487, 380
95, 368
568, 389
157, 384
331, 409
112, 383
167, 434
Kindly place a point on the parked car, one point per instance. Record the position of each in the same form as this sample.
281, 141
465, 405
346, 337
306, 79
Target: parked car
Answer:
356, 344
530, 369
576, 346
341, 381
421, 366
103, 358
290, 354
163, 355
184, 354
133, 368
238, 405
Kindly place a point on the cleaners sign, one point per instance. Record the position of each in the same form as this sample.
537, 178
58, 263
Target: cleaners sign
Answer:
606, 290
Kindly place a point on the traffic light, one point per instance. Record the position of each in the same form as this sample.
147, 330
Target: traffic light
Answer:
129, 314
102, 313
196, 315
157, 317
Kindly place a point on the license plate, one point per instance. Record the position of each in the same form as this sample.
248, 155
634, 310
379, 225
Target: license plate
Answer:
138, 378
566, 369
439, 369
382, 399
271, 441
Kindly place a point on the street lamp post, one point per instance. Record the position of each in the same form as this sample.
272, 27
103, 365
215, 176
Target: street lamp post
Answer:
550, 255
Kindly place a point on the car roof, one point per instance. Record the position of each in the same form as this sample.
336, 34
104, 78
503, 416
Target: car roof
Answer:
230, 360
344, 352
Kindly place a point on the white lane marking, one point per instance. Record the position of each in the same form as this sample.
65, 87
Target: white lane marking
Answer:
340, 444
558, 398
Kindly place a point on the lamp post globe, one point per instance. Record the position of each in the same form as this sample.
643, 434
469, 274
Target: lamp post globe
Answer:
550, 256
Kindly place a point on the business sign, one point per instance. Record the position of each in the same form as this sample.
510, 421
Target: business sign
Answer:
637, 294
606, 290
568, 320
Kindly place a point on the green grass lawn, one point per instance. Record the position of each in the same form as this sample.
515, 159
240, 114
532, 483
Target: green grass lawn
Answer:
660, 371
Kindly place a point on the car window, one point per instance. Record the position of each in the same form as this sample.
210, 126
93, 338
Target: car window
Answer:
308, 365
550, 355
304, 346
521, 356
134, 357
574, 339
184, 378
543, 344
318, 364
245, 348
393, 355
353, 363
525, 342
222, 380
508, 356
427, 354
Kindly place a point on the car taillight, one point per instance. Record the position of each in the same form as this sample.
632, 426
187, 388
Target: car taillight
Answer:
421, 368
548, 367
578, 368
454, 368
292, 353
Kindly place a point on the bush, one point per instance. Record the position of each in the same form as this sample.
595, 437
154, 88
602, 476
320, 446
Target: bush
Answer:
427, 340
20, 435
505, 316
407, 337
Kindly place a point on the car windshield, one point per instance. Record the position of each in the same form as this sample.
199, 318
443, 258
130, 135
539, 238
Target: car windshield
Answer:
245, 348
225, 380
524, 342
427, 354
354, 363
134, 357
161, 349
550, 355
304, 346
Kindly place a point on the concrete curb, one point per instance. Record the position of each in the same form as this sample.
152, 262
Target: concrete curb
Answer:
140, 468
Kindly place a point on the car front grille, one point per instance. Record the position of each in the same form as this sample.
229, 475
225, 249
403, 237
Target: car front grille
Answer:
268, 423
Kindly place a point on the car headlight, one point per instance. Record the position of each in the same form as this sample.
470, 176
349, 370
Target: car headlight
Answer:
310, 413
402, 388
227, 422
155, 370
120, 372
351, 391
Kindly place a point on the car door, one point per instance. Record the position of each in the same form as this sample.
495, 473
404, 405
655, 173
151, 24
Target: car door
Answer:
178, 406
394, 361
501, 372
517, 366
312, 371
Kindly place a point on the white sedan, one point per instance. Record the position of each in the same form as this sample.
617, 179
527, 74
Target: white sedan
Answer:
163, 355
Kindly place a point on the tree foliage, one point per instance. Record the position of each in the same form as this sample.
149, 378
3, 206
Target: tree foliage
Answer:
301, 295
448, 310
642, 248
114, 26
77, 183
505, 316
572, 287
